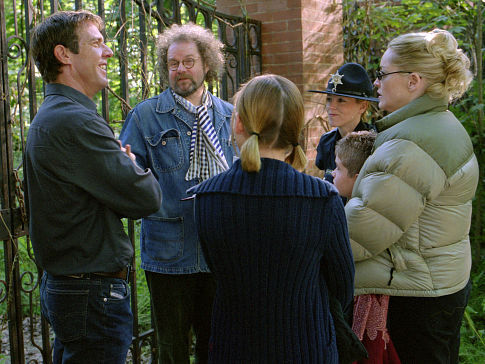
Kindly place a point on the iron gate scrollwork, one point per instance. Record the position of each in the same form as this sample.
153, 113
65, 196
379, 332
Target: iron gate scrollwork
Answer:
131, 30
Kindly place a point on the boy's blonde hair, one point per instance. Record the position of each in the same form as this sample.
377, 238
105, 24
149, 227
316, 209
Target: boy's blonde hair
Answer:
354, 149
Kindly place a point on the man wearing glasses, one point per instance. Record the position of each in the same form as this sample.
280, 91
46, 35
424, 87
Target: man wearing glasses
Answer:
183, 135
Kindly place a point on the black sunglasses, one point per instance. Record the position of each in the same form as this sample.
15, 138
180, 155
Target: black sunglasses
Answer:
381, 74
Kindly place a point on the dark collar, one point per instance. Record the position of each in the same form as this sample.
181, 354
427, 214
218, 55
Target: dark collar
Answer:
73, 94
359, 127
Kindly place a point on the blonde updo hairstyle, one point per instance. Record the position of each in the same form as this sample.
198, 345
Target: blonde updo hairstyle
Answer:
271, 109
436, 57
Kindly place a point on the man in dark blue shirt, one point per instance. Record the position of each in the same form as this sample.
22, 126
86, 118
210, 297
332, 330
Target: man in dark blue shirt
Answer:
80, 182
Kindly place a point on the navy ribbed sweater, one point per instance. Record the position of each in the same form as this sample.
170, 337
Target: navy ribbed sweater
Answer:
277, 243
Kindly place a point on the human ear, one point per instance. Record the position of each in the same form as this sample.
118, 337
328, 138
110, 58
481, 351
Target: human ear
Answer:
238, 125
363, 107
62, 54
206, 68
414, 81
353, 178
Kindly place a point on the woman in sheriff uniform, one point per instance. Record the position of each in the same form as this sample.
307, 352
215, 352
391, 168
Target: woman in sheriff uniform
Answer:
349, 91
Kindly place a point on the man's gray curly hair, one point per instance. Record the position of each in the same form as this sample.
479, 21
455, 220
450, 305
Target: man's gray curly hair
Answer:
209, 47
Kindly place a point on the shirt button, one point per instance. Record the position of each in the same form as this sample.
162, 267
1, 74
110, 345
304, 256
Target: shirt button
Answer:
189, 133
164, 143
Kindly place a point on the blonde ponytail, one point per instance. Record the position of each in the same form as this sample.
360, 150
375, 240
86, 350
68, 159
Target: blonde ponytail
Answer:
271, 110
250, 157
297, 158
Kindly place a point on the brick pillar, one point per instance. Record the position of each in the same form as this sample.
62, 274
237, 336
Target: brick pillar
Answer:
302, 41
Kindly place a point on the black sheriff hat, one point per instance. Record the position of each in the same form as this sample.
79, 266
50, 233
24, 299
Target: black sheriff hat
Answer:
350, 80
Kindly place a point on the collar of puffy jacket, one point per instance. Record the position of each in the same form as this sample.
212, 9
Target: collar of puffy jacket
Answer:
418, 106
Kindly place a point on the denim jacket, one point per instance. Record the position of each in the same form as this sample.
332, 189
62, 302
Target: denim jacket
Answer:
159, 133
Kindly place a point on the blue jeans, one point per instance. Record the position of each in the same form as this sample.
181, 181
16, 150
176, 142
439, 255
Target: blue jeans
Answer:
427, 329
91, 318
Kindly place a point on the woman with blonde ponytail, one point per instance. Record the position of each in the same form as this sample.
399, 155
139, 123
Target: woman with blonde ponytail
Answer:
269, 117
274, 238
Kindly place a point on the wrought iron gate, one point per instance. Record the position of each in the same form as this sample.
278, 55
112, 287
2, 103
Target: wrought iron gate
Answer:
131, 30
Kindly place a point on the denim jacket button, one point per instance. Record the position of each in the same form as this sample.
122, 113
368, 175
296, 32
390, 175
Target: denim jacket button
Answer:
189, 133
164, 142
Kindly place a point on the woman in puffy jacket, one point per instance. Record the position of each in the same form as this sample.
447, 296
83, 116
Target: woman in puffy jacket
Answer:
410, 211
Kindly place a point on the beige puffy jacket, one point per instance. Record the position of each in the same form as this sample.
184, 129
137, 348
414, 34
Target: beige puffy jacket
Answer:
410, 211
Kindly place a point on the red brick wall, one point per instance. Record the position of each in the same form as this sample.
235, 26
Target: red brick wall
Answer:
301, 40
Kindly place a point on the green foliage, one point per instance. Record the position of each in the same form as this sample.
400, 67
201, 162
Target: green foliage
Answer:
144, 319
369, 25
29, 281
472, 349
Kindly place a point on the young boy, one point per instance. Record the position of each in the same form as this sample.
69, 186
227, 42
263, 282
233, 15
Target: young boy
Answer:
351, 153
370, 311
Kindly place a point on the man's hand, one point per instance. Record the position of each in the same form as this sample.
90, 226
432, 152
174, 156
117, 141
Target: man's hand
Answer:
127, 150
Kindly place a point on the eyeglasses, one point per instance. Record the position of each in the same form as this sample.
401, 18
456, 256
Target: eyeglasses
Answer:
188, 64
381, 74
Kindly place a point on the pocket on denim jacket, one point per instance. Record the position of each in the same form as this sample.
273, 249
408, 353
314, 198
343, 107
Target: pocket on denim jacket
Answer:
163, 238
67, 311
165, 150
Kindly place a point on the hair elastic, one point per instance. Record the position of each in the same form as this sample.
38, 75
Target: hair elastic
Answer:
296, 144
254, 133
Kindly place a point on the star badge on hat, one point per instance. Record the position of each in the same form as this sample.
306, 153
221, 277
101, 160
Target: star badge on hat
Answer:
357, 83
336, 80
